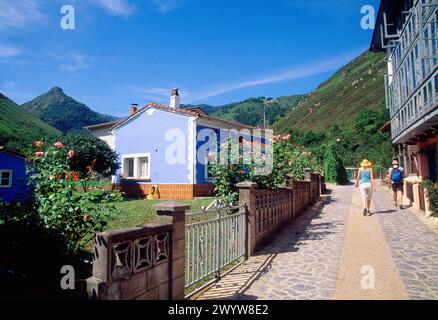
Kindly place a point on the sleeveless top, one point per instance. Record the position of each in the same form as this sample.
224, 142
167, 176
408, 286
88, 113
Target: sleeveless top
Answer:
365, 176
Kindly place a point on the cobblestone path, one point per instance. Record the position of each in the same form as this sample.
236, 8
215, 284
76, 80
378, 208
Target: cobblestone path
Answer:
414, 248
313, 258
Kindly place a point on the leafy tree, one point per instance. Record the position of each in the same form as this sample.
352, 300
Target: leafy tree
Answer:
91, 155
334, 169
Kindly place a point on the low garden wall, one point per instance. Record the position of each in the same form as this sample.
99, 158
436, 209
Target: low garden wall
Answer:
271, 210
148, 262
142, 263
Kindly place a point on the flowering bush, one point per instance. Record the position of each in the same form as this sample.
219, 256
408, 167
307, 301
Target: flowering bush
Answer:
70, 216
286, 159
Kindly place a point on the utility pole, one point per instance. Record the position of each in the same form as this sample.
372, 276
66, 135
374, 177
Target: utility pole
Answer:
265, 103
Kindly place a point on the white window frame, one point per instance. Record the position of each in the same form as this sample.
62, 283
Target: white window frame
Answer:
125, 169
148, 174
10, 171
137, 169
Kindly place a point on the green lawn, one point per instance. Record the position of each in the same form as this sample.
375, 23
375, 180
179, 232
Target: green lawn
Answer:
137, 212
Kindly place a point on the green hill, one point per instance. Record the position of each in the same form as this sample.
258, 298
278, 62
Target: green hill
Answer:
19, 128
250, 111
63, 112
337, 101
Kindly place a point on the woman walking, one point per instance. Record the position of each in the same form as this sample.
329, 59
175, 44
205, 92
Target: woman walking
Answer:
365, 177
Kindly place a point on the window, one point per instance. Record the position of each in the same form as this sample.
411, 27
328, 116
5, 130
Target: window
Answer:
136, 166
144, 167
425, 98
436, 84
5, 178
430, 89
128, 167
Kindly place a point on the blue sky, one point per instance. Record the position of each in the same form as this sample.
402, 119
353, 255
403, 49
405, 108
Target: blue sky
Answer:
125, 51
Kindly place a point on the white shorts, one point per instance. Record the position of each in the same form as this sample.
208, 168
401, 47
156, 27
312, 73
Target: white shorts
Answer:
366, 190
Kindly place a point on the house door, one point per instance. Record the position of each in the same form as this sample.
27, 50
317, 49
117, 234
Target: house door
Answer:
432, 159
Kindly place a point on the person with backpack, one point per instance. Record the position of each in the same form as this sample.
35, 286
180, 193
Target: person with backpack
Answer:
365, 177
395, 180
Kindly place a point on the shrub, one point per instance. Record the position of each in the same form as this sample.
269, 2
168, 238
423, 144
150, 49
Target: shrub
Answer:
91, 155
433, 196
286, 159
70, 216
334, 169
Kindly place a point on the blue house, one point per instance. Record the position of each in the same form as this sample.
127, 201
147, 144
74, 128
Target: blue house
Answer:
168, 147
12, 175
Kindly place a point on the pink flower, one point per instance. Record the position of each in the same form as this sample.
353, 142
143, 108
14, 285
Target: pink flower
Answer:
242, 171
39, 154
58, 144
70, 154
39, 143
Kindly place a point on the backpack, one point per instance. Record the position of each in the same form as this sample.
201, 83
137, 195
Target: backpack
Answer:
396, 175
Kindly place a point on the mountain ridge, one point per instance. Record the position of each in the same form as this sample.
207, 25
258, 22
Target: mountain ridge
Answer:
47, 105
250, 111
357, 85
19, 128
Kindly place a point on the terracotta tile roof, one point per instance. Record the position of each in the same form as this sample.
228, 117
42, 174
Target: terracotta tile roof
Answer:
189, 112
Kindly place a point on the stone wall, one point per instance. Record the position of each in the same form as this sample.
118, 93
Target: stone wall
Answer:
142, 263
147, 262
271, 210
301, 195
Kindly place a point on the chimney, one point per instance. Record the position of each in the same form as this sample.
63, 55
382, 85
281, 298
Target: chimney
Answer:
174, 98
133, 108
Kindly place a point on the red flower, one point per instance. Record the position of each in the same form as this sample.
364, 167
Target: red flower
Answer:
242, 171
39, 143
39, 154
70, 154
58, 144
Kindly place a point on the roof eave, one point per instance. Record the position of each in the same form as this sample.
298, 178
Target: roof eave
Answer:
12, 151
151, 105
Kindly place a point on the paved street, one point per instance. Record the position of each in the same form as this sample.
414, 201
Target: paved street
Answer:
331, 248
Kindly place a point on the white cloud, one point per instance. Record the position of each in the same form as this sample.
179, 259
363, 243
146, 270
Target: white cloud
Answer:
164, 6
162, 94
116, 7
299, 72
8, 85
19, 14
7, 51
72, 62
